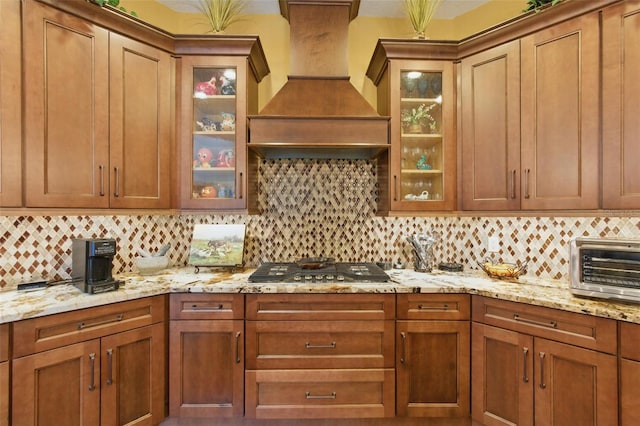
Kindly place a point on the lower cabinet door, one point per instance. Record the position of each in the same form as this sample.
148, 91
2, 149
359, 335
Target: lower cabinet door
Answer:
58, 387
502, 371
206, 368
629, 385
574, 386
133, 377
4, 393
432, 363
299, 394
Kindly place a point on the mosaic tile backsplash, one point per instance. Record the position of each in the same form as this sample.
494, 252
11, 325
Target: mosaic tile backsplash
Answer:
308, 208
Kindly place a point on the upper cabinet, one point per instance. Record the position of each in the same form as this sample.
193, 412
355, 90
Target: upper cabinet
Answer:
490, 104
419, 174
10, 105
98, 132
621, 106
560, 116
216, 90
530, 121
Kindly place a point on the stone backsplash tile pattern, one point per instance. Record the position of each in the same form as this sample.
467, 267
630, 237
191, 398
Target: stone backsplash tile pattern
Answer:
308, 208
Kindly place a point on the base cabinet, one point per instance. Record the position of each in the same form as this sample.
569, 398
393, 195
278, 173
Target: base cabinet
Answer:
206, 356
320, 356
629, 374
432, 356
116, 377
523, 379
4, 375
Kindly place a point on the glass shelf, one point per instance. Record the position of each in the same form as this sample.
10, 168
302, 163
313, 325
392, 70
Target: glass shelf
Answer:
421, 139
214, 133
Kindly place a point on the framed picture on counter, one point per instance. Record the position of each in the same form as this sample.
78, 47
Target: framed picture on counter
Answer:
217, 246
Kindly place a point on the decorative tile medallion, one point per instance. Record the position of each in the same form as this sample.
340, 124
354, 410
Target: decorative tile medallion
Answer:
307, 208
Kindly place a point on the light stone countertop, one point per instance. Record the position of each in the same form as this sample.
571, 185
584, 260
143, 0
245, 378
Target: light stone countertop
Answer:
548, 293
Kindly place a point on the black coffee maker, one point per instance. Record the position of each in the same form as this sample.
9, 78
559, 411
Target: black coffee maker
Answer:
91, 265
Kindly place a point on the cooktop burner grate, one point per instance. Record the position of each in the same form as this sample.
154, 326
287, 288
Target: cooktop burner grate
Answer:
331, 273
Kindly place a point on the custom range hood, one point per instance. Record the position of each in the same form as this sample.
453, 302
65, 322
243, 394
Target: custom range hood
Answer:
318, 113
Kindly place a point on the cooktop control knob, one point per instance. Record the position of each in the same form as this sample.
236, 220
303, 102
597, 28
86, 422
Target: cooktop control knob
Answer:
340, 278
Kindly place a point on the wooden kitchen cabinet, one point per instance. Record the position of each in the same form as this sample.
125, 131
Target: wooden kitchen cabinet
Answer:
433, 355
620, 106
629, 373
102, 365
490, 119
320, 356
4, 374
10, 105
530, 362
560, 113
216, 90
206, 355
98, 122
420, 173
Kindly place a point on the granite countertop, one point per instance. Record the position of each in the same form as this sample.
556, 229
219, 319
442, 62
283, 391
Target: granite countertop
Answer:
549, 293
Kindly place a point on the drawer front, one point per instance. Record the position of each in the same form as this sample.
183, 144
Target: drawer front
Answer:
447, 307
198, 306
319, 393
567, 327
629, 338
4, 342
319, 344
39, 334
320, 307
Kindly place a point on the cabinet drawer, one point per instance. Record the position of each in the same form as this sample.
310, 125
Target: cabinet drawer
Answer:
629, 338
320, 393
4, 342
39, 334
450, 307
197, 306
320, 306
319, 344
576, 329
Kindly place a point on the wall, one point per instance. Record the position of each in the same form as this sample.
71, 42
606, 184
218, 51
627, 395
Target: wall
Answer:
308, 208
364, 32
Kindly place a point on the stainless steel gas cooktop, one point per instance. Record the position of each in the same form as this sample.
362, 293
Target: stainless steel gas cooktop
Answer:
325, 273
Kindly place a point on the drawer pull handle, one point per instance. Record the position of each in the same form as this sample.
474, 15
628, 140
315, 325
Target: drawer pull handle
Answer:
404, 339
238, 347
433, 308
82, 325
92, 362
525, 376
308, 395
542, 383
207, 308
310, 346
109, 366
548, 324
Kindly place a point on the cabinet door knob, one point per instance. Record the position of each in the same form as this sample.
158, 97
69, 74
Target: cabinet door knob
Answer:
403, 336
238, 347
526, 183
109, 366
101, 167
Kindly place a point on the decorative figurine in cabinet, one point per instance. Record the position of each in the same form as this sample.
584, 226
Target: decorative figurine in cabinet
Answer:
418, 95
216, 94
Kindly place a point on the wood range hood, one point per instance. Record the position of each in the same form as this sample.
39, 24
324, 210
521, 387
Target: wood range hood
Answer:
318, 113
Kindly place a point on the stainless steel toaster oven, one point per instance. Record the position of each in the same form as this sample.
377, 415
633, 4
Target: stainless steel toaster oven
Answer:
605, 268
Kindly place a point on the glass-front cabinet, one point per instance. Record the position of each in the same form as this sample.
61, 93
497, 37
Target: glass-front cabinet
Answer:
217, 93
418, 95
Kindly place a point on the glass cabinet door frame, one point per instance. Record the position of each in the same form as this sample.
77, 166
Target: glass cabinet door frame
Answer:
444, 200
187, 132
